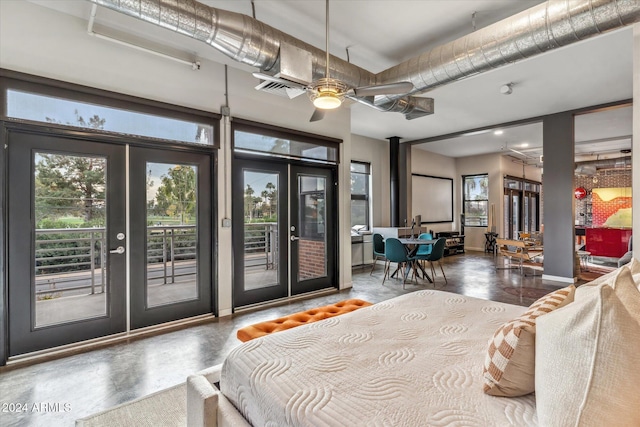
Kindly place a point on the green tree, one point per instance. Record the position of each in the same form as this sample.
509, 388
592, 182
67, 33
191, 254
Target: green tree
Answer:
69, 185
269, 200
176, 195
249, 201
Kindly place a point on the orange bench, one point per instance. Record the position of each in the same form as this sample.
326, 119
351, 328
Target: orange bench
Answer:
296, 319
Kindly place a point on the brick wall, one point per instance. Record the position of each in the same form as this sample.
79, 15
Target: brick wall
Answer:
607, 178
312, 259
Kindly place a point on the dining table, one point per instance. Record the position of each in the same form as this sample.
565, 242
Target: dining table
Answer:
412, 244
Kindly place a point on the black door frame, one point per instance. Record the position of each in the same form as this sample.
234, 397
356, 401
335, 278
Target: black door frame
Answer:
241, 161
80, 135
23, 337
141, 315
331, 222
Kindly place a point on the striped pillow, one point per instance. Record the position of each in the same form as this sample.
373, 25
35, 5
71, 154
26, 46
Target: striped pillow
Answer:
509, 366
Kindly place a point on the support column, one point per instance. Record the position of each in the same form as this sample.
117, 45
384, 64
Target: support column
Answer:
400, 181
394, 178
559, 203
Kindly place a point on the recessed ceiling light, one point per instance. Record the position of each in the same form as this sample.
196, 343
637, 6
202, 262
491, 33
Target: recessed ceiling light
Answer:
524, 144
498, 132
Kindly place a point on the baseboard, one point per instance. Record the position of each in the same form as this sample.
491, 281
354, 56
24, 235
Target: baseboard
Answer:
560, 278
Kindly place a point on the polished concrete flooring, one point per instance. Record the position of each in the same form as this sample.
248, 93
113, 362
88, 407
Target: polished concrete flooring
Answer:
80, 385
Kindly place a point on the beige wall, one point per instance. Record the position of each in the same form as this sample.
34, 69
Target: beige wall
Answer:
40, 41
375, 152
490, 164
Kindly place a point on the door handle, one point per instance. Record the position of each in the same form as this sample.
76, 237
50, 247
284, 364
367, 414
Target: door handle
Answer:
294, 238
119, 250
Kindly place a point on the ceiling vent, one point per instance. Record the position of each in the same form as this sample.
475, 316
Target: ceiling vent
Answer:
280, 89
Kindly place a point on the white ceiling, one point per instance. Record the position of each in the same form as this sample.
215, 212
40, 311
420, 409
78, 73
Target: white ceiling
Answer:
382, 33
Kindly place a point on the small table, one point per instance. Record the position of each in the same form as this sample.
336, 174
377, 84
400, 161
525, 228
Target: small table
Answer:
584, 259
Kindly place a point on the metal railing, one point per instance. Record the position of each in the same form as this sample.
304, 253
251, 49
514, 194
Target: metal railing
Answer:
64, 258
168, 244
261, 245
71, 260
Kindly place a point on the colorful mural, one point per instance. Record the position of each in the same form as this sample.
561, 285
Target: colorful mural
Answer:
611, 207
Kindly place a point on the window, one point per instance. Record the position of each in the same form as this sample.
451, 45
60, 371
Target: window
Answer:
265, 140
360, 189
476, 200
49, 109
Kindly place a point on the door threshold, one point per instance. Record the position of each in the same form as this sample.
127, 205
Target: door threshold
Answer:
54, 353
285, 300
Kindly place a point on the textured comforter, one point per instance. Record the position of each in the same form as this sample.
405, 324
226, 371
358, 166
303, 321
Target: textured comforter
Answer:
415, 360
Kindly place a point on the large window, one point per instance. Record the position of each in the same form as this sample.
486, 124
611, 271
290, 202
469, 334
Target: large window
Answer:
476, 200
360, 190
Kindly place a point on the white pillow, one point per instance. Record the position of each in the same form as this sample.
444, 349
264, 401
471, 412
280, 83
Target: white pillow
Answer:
588, 357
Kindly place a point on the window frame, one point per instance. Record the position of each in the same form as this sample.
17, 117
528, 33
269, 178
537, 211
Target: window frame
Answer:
465, 200
37, 85
366, 197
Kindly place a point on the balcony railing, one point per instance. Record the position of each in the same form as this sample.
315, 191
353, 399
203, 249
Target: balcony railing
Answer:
71, 261
261, 245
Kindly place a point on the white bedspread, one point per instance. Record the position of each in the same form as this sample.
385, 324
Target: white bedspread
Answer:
415, 360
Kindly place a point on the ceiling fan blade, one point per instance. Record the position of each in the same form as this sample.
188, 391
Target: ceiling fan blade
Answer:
285, 82
317, 115
398, 88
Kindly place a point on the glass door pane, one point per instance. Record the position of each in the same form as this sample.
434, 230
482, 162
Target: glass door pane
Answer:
515, 214
172, 234
526, 219
70, 238
260, 230
312, 243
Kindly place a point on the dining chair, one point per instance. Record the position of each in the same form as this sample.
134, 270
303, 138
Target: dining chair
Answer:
437, 253
424, 250
394, 251
378, 250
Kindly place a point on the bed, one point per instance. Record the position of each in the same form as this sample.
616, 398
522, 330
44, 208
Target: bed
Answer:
412, 360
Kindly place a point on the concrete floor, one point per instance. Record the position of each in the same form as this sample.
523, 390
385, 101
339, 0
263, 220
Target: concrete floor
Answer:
82, 384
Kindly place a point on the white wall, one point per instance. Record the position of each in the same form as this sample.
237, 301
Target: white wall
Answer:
375, 152
40, 41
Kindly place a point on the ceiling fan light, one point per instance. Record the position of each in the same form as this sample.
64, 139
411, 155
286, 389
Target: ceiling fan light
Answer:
327, 101
327, 93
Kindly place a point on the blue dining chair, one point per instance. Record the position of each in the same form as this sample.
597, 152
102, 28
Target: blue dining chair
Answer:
424, 250
394, 251
437, 254
378, 250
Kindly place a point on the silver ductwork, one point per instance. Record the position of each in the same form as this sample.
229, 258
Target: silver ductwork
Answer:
537, 30
590, 167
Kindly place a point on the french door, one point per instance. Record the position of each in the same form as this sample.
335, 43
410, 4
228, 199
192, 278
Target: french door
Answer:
284, 230
520, 212
74, 256
170, 236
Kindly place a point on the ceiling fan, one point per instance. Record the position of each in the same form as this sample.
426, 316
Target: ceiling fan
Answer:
328, 93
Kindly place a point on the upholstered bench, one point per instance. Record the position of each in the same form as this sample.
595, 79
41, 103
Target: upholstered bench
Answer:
296, 319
